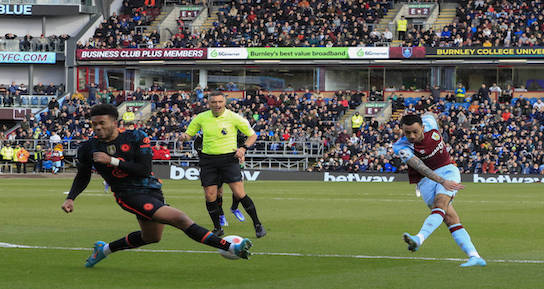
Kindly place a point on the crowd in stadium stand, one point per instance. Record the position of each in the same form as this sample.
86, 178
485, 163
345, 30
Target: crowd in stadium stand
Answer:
289, 120
486, 23
119, 31
286, 23
12, 42
12, 95
483, 136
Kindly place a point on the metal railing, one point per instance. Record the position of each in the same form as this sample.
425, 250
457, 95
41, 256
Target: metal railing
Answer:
179, 150
305, 149
50, 45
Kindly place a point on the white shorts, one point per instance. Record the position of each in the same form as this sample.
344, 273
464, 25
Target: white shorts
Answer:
429, 189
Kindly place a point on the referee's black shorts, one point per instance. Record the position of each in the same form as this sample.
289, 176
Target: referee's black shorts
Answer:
218, 169
142, 203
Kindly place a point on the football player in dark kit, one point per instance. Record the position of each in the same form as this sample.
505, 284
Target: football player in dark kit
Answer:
124, 161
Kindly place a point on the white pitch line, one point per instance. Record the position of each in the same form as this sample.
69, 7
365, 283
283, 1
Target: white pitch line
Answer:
12, 246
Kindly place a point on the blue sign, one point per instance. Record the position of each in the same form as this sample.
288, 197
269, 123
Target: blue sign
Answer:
28, 57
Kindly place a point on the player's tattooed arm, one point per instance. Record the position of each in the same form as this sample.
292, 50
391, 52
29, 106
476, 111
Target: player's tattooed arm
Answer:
418, 165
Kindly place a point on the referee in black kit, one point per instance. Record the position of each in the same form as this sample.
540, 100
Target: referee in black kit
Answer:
220, 157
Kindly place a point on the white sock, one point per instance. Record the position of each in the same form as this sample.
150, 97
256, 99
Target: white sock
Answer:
106, 250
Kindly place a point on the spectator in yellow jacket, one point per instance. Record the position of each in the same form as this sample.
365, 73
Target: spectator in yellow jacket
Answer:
7, 156
356, 122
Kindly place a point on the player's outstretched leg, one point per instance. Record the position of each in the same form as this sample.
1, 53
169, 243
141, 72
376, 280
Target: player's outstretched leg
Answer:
440, 202
234, 209
151, 233
429, 225
462, 238
180, 220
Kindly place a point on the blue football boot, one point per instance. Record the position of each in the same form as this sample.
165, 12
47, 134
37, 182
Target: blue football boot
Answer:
238, 215
242, 250
223, 221
98, 254
474, 261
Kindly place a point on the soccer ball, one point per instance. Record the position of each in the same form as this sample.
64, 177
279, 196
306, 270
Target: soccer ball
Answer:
233, 239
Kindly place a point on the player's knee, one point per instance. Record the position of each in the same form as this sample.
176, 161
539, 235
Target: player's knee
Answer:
210, 197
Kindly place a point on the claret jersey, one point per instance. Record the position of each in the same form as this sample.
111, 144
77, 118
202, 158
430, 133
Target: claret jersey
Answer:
432, 150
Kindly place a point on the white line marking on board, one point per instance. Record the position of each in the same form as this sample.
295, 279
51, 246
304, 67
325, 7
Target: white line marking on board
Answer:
9, 245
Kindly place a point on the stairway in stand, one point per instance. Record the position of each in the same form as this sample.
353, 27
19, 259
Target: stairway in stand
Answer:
209, 22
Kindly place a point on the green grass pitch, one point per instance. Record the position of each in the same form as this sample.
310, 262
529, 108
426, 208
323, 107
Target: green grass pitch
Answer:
312, 219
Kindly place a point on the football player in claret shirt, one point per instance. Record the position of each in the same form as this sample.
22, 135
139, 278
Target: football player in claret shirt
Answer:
430, 167
123, 159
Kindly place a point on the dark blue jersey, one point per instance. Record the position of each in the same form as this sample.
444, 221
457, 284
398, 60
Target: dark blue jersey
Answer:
133, 174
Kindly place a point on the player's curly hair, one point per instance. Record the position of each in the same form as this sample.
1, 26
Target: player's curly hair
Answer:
410, 119
105, 109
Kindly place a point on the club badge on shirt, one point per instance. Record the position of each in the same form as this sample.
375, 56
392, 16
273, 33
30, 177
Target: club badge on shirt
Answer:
435, 136
111, 149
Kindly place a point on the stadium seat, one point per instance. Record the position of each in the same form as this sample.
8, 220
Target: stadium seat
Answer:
44, 100
514, 100
34, 100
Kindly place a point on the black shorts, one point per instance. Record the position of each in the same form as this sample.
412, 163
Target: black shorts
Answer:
143, 204
219, 169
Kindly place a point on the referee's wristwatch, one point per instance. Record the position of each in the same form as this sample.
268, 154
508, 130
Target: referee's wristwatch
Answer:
244, 146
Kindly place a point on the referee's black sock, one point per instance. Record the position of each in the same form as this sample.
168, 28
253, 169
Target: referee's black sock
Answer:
130, 241
213, 210
235, 203
220, 205
250, 209
204, 236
